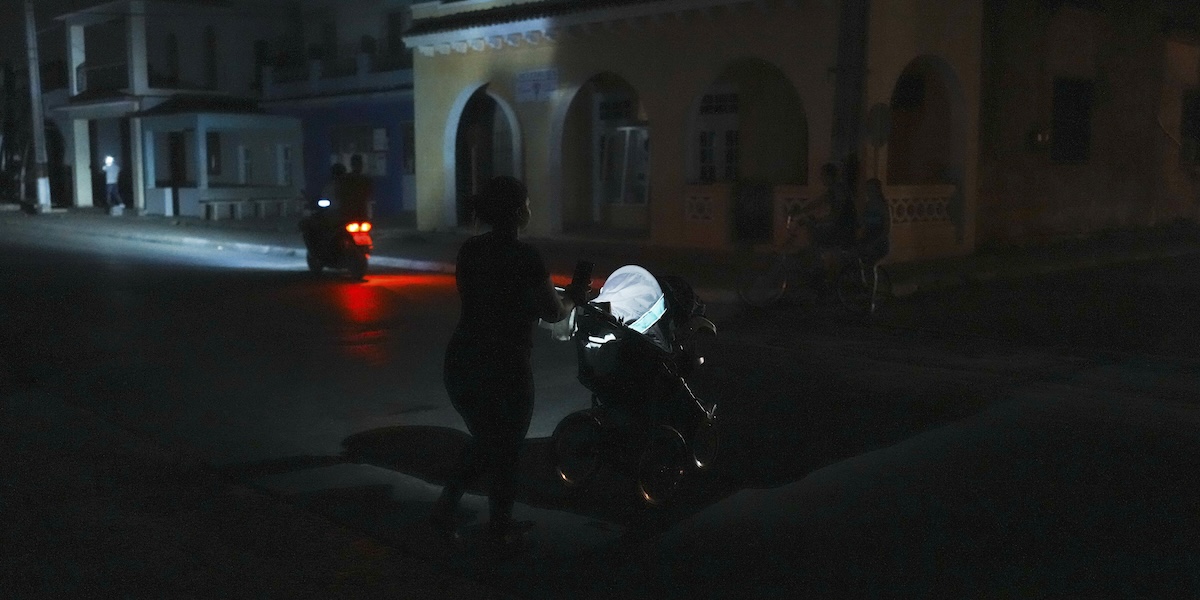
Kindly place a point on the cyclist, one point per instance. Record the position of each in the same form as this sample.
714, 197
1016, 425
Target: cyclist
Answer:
874, 242
818, 231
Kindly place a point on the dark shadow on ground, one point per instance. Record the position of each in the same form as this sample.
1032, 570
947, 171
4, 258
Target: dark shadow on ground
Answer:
430, 453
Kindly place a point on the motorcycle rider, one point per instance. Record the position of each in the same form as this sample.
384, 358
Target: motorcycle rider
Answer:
356, 192
320, 225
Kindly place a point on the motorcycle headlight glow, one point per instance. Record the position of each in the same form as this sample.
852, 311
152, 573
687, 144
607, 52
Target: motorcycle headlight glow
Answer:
323, 202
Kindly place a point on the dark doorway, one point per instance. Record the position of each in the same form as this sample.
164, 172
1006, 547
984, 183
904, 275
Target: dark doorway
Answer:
60, 180
176, 166
473, 151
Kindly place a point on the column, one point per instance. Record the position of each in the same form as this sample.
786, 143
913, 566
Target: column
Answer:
201, 156
137, 175
139, 79
82, 162
149, 166
75, 59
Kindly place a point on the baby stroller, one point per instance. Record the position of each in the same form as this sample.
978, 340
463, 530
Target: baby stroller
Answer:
636, 343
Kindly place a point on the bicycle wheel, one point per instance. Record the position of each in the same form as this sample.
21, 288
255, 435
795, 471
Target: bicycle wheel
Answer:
762, 289
862, 289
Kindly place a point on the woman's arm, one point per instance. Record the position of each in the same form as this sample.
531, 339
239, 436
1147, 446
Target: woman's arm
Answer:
552, 307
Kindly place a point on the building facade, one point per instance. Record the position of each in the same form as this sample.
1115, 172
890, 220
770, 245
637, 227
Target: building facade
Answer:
1093, 118
347, 77
168, 89
700, 123
692, 123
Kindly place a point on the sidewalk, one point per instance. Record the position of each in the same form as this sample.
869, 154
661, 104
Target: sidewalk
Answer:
713, 274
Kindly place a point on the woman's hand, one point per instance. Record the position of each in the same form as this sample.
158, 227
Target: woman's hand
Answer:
553, 307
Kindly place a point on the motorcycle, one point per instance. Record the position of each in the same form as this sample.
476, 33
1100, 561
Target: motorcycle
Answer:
335, 243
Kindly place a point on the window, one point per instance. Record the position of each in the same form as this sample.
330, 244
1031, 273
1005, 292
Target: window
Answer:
285, 165
210, 57
213, 142
172, 59
717, 158
245, 165
397, 24
708, 156
370, 143
1071, 121
615, 110
731, 154
719, 104
1189, 128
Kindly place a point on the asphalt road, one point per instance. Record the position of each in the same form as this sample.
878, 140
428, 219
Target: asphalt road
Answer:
262, 370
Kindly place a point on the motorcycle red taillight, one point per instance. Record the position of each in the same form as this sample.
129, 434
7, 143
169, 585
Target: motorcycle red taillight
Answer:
360, 231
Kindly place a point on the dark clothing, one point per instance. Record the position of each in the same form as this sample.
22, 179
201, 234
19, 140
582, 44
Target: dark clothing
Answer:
498, 278
877, 224
844, 220
113, 197
487, 371
492, 389
354, 192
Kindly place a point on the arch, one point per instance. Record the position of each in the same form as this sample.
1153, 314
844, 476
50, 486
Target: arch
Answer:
458, 109
928, 139
927, 103
599, 153
748, 128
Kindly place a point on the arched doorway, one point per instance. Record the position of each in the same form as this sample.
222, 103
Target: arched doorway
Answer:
485, 145
749, 130
927, 143
606, 159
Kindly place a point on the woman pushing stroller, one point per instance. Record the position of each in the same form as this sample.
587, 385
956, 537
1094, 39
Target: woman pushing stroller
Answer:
505, 288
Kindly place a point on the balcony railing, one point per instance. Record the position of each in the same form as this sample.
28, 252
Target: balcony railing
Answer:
110, 76
382, 69
922, 217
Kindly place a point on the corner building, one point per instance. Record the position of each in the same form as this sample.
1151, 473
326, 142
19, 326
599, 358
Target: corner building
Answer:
695, 123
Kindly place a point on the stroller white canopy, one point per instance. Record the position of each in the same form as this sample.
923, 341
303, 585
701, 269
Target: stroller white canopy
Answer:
634, 297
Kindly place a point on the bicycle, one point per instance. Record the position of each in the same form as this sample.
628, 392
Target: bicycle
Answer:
861, 285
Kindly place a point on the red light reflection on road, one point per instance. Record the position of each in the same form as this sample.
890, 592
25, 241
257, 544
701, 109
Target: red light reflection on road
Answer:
365, 307
359, 303
411, 280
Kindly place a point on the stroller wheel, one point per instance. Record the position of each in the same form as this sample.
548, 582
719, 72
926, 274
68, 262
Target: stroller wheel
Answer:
705, 443
575, 448
661, 465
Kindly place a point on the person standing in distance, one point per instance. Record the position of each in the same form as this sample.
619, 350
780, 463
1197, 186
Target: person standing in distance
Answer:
505, 288
112, 173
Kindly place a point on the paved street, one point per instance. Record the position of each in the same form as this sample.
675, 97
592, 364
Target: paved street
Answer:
857, 456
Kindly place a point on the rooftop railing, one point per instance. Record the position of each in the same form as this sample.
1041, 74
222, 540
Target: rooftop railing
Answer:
347, 68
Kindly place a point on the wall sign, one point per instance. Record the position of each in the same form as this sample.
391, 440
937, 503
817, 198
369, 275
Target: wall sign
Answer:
536, 86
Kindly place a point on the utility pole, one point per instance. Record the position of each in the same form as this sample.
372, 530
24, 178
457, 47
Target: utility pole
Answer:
39, 121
